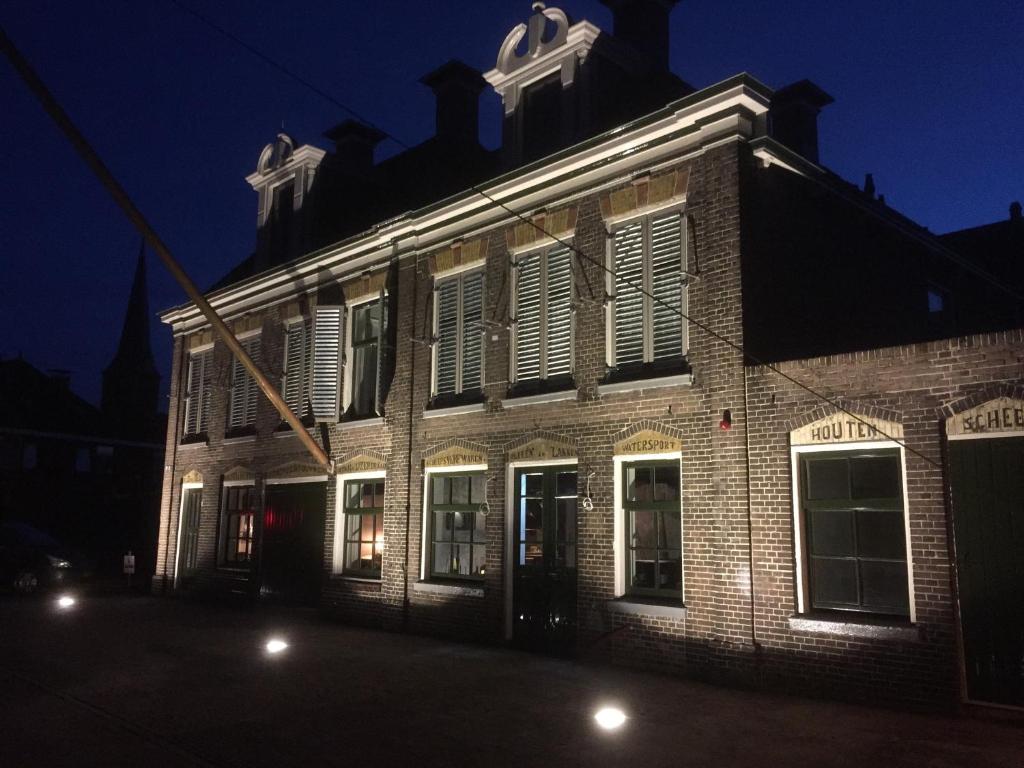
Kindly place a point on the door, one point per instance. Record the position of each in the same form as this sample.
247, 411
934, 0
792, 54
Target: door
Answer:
191, 505
987, 484
291, 559
544, 572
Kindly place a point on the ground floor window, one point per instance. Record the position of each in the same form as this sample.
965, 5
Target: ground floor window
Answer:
458, 531
654, 540
239, 525
364, 527
854, 530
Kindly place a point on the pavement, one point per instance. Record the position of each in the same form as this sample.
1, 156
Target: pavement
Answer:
122, 680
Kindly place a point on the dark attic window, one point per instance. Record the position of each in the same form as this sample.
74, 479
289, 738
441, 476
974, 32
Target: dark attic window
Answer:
542, 117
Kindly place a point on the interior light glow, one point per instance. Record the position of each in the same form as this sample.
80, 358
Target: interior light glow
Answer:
610, 718
65, 601
276, 646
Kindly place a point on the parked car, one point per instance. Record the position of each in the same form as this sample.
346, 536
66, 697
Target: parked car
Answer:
31, 559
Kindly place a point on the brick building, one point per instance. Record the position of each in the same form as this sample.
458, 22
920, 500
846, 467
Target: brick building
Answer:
647, 382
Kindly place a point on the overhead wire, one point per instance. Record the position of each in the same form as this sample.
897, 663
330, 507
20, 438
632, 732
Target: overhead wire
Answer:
834, 402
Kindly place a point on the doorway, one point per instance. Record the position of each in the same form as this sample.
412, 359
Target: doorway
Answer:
191, 507
291, 562
544, 559
987, 487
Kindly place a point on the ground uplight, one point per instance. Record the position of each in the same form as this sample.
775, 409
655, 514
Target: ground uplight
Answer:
276, 645
610, 718
65, 601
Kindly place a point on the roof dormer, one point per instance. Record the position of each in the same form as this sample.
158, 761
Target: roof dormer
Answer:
283, 176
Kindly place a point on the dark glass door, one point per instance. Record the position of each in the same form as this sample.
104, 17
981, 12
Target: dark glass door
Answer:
191, 505
291, 559
987, 483
544, 572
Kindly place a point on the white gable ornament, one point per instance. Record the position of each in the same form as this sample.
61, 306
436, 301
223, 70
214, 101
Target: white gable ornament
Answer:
537, 46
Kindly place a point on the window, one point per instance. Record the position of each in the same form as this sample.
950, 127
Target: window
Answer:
197, 398
364, 527
543, 316
239, 520
650, 500
296, 386
458, 352
648, 293
244, 390
854, 534
368, 325
458, 531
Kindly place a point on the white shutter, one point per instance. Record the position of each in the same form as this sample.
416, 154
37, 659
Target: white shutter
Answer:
558, 312
205, 389
528, 320
192, 402
328, 337
298, 366
242, 411
629, 297
378, 392
472, 327
447, 297
666, 286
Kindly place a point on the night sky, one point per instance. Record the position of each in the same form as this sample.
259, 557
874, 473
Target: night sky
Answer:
927, 98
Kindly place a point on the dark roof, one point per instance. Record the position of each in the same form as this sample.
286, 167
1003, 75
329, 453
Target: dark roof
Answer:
31, 399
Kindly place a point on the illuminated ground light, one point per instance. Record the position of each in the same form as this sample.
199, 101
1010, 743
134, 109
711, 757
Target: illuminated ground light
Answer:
610, 718
276, 645
65, 601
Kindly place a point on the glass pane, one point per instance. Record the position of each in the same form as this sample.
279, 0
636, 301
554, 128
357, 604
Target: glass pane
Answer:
643, 532
478, 490
630, 483
880, 534
442, 558
567, 555
666, 483
644, 566
352, 555
833, 582
366, 531
364, 322
566, 520
566, 485
640, 486
533, 485
352, 491
352, 523
366, 555
462, 559
479, 565
672, 530
366, 500
884, 586
460, 489
442, 526
480, 531
832, 533
532, 520
442, 488
364, 379
828, 479
378, 531
378, 494
875, 477
533, 554
463, 526
670, 571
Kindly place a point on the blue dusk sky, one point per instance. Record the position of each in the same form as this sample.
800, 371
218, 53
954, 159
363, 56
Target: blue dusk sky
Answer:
928, 99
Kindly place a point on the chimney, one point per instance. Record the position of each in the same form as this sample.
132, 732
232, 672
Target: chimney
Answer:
456, 88
353, 145
1015, 211
794, 117
644, 25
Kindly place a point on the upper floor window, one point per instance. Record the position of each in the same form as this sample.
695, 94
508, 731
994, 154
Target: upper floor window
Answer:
543, 323
366, 332
200, 386
654, 541
296, 386
244, 390
458, 352
648, 294
854, 530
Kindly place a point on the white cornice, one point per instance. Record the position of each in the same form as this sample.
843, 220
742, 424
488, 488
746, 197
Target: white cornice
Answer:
305, 156
727, 112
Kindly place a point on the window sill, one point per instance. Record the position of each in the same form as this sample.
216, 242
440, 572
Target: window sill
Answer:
454, 410
638, 385
373, 421
194, 441
639, 606
439, 588
345, 577
544, 397
873, 630
250, 438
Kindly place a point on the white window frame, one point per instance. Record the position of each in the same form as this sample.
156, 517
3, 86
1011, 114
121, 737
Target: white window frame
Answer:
611, 273
803, 586
425, 517
338, 546
190, 396
459, 273
540, 252
348, 359
619, 521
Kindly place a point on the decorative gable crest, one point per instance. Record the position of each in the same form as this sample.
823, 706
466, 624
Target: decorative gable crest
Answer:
455, 453
649, 437
192, 476
541, 447
361, 461
239, 472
